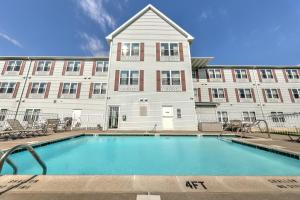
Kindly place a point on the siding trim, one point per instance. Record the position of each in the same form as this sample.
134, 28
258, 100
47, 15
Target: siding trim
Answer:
183, 82
117, 77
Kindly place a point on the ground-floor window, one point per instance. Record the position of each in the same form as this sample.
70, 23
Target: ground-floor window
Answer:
31, 115
3, 113
249, 116
178, 113
277, 117
222, 116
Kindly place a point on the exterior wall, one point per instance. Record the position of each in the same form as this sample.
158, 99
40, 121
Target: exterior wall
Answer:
151, 29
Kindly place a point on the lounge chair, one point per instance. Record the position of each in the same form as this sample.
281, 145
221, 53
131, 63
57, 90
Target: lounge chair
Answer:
52, 124
17, 127
234, 125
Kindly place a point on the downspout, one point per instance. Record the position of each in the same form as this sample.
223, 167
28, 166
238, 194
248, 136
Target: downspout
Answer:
23, 89
258, 94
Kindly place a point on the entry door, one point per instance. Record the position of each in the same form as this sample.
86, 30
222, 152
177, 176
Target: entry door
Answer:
76, 118
167, 117
113, 118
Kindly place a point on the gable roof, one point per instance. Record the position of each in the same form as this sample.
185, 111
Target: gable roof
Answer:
142, 12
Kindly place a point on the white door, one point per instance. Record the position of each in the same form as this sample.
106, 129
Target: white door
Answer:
76, 121
167, 117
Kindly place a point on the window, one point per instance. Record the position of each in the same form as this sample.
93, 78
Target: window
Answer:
73, 66
32, 114
245, 93
7, 88
44, 66
130, 49
129, 77
38, 88
214, 73
99, 88
241, 74
178, 113
266, 73
222, 116
170, 77
69, 88
292, 74
218, 93
272, 93
14, 65
169, 49
249, 116
101, 66
296, 93
3, 113
277, 117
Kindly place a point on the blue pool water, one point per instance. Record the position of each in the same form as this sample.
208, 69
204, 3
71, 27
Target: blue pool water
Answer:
124, 155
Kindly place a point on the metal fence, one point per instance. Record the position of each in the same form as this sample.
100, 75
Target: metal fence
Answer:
284, 123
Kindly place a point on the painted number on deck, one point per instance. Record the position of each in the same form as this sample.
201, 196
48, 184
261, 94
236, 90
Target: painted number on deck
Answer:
195, 185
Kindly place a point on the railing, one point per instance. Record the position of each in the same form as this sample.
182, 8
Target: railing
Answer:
4, 158
284, 123
10, 163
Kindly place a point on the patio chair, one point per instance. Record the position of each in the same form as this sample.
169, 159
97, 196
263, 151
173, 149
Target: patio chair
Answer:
233, 125
52, 124
17, 127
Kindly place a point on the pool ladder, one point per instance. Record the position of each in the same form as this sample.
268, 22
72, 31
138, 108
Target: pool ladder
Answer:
4, 157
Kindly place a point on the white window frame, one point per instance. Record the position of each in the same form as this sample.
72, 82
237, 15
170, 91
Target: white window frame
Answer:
296, 93
40, 89
241, 74
103, 68
130, 49
272, 93
46, 64
248, 116
212, 74
71, 65
218, 93
129, 78
70, 87
102, 88
223, 116
247, 95
277, 117
12, 67
266, 72
32, 114
8, 86
162, 54
171, 72
291, 75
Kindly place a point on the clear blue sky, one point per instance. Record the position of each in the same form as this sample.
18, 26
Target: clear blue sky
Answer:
232, 31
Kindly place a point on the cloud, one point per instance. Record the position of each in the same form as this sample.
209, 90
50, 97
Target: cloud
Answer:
95, 10
276, 28
93, 45
11, 40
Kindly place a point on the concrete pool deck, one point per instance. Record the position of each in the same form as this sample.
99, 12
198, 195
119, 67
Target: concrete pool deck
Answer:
168, 187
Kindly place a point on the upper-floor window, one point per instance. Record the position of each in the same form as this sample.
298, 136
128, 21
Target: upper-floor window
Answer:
130, 49
292, 74
101, 66
170, 77
245, 93
38, 88
14, 66
129, 77
32, 115
3, 113
222, 116
69, 88
272, 93
7, 87
99, 88
266, 73
249, 116
43, 66
296, 93
214, 74
277, 117
241, 74
218, 93
169, 49
73, 66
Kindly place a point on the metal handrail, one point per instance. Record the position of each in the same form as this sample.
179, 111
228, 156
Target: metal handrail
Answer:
4, 157
10, 163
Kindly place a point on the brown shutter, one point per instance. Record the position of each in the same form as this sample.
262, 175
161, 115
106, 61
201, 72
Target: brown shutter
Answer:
16, 90
81, 68
199, 94
78, 90
4, 68
158, 86
253, 95
22, 67
64, 68
60, 90
237, 95
209, 94
91, 90
248, 74
274, 75
207, 75
142, 52
291, 96
233, 75
94, 68
157, 51
34, 67
259, 75
52, 68
280, 95
226, 94
285, 75
197, 75
264, 95
28, 90
183, 83
141, 80
117, 78
119, 46
47, 90
223, 76
181, 52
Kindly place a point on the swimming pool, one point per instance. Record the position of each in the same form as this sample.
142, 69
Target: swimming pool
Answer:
151, 155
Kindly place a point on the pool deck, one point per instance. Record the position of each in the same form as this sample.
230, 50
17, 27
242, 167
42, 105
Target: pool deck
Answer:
168, 187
